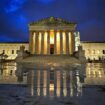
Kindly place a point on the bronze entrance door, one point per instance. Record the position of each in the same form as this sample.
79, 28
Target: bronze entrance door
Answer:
51, 48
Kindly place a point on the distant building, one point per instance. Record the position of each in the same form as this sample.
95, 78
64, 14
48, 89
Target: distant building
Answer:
11, 49
94, 50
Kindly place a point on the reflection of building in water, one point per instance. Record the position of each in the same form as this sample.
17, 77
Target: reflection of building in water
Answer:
95, 74
8, 73
55, 83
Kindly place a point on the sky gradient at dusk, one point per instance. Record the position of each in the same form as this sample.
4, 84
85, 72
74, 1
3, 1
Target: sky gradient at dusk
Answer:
15, 15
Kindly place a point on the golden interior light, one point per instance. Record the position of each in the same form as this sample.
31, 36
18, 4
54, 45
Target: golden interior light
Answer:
58, 42
51, 87
52, 37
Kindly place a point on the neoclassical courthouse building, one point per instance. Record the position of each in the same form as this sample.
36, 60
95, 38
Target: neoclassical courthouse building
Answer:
59, 38
52, 36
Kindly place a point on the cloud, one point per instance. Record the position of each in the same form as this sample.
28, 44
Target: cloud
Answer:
14, 5
88, 14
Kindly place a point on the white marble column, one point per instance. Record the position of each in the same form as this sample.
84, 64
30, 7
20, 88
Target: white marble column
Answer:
34, 35
61, 43
67, 43
36, 43
48, 42
32, 41
72, 42
70, 45
55, 42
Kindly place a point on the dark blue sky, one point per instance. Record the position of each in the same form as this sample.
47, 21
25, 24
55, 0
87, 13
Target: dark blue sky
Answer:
16, 14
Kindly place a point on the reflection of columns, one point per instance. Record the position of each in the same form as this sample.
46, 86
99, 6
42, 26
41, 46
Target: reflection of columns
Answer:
61, 84
55, 82
38, 82
58, 83
44, 82
61, 43
74, 82
42, 43
41, 82
67, 43
36, 43
64, 84
71, 84
35, 81
48, 81
32, 82
68, 83
55, 42
48, 43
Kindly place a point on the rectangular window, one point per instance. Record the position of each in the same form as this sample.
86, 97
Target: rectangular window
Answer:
12, 51
103, 51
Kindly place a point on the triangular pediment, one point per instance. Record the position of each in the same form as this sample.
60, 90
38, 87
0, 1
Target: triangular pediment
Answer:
52, 21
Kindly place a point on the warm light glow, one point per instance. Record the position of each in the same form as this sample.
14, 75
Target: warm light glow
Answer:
64, 43
38, 83
45, 83
58, 83
70, 48
45, 42
58, 42
51, 87
52, 37
39, 43
33, 42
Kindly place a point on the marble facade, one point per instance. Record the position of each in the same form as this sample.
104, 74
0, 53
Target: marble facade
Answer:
57, 37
